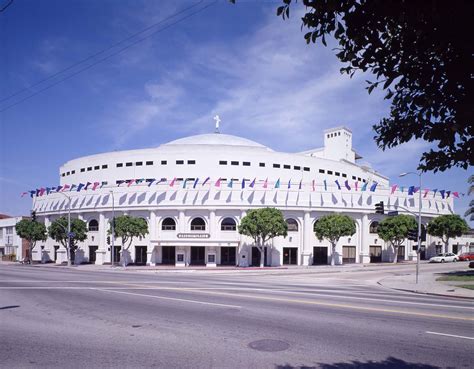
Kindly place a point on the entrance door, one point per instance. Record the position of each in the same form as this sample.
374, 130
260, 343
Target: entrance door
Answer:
320, 255
117, 254
256, 256
92, 250
375, 254
140, 255
228, 255
348, 254
401, 253
168, 256
455, 248
56, 248
198, 255
290, 255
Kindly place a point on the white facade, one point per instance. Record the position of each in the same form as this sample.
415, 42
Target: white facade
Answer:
10, 243
240, 160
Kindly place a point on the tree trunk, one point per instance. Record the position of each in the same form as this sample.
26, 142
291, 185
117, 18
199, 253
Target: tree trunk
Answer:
30, 254
333, 254
395, 256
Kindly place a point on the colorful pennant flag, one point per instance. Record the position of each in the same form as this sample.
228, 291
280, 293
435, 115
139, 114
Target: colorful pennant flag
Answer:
65, 187
434, 192
416, 189
150, 181
196, 181
373, 187
301, 185
314, 185
243, 183
448, 193
185, 182
129, 182
230, 184
73, 186
442, 193
356, 185
277, 183
347, 185
364, 186
138, 181
172, 182
337, 184
96, 184
218, 183
411, 190
265, 184
59, 188
205, 181
426, 192
402, 188
252, 184
87, 185
79, 188
456, 194
325, 186
394, 188
289, 184
119, 182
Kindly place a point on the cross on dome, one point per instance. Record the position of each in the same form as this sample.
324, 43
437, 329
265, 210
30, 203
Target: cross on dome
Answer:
218, 120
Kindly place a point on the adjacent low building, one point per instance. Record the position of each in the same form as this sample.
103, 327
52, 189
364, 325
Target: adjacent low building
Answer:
12, 247
194, 191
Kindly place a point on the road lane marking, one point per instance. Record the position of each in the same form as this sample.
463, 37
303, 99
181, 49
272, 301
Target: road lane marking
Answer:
168, 298
450, 335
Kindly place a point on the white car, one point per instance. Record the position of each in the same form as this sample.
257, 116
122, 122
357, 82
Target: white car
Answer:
441, 258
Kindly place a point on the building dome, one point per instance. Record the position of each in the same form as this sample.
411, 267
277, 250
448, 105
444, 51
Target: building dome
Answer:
216, 139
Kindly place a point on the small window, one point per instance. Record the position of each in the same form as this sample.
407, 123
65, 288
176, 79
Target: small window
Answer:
97, 167
338, 133
128, 164
149, 163
292, 225
297, 167
93, 225
364, 180
73, 172
234, 163
179, 162
63, 175
68, 173
83, 170
118, 182
105, 166
119, 165
329, 171
321, 171
328, 135
198, 224
104, 183
306, 169
89, 169
337, 174
191, 162
276, 165
354, 178
222, 162
168, 224
358, 178
228, 224
344, 175
246, 163
261, 164
139, 163
164, 162
286, 166
373, 227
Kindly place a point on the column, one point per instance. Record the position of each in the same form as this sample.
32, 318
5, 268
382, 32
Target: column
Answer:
212, 224
307, 233
364, 240
151, 254
101, 253
181, 222
243, 253
153, 235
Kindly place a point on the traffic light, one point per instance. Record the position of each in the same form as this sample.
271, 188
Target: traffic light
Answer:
413, 235
379, 208
33, 215
108, 240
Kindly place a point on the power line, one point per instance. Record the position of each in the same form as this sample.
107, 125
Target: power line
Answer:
6, 6
106, 57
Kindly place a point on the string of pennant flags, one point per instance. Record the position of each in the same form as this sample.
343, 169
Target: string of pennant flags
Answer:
411, 190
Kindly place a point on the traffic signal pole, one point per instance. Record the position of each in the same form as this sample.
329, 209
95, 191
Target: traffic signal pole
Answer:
418, 249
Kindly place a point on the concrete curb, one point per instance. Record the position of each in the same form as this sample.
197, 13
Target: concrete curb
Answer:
425, 293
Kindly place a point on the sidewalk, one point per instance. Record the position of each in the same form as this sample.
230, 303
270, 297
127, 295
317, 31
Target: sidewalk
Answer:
427, 284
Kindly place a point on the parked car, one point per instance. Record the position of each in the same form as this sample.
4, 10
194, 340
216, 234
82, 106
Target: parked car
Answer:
441, 258
467, 256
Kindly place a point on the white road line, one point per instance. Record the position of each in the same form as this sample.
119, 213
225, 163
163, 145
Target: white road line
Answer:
450, 335
168, 298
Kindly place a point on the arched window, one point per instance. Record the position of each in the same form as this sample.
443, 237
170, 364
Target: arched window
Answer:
373, 227
168, 224
228, 224
198, 224
314, 225
93, 225
292, 225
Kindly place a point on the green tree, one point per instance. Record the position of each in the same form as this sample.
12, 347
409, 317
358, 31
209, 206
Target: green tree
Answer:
262, 225
395, 230
470, 210
447, 227
333, 227
127, 228
58, 232
31, 231
419, 53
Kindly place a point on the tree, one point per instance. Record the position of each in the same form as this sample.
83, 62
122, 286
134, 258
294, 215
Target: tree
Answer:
447, 227
470, 210
31, 231
127, 228
58, 232
395, 230
419, 53
262, 225
333, 227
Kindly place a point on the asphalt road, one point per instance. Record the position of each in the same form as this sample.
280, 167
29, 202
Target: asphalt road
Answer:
54, 317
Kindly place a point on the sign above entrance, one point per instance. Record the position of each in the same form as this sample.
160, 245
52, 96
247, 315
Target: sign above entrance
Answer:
193, 235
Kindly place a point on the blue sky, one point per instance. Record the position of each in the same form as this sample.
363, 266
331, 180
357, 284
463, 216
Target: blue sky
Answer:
239, 61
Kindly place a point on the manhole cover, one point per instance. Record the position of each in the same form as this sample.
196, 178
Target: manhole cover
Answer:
269, 345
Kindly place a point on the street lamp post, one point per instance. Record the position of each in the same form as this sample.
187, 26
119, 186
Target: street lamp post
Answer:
68, 228
418, 249
113, 230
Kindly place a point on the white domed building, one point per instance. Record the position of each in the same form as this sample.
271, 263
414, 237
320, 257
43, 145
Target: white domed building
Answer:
194, 191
